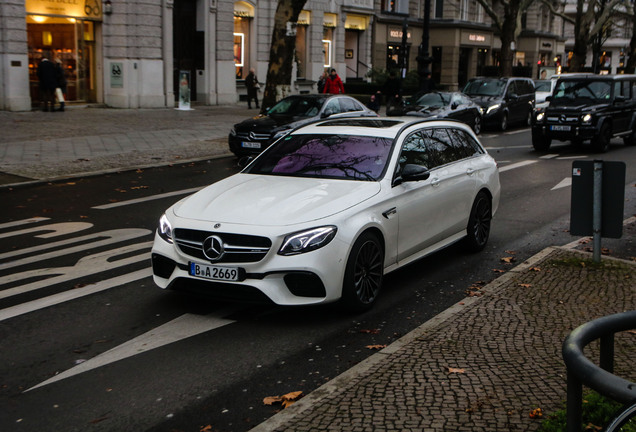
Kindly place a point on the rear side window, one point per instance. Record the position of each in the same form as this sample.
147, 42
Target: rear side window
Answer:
465, 143
348, 105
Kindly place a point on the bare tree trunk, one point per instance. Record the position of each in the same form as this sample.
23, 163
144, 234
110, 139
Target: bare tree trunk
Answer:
581, 36
631, 62
281, 54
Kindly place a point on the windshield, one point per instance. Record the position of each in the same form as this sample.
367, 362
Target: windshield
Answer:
434, 100
543, 86
574, 92
484, 87
347, 157
298, 106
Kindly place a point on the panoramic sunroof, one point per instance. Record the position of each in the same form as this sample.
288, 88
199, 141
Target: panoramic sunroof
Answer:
370, 123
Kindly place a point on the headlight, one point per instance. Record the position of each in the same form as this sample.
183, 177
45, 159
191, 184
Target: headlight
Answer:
165, 229
492, 108
281, 133
586, 119
540, 117
307, 241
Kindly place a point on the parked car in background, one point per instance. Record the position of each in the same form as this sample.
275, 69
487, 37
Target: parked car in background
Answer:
255, 134
588, 107
442, 105
326, 211
543, 89
503, 100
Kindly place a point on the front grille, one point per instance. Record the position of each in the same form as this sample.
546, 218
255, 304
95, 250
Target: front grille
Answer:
252, 136
563, 119
238, 248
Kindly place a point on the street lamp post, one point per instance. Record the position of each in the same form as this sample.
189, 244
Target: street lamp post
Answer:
423, 57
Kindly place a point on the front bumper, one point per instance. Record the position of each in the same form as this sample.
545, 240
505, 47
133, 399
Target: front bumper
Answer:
310, 278
573, 132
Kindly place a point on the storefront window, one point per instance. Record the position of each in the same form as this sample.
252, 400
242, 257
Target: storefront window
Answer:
243, 17
69, 41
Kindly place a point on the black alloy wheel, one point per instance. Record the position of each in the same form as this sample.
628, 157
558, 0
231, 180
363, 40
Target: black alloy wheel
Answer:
364, 273
478, 230
503, 125
602, 142
477, 124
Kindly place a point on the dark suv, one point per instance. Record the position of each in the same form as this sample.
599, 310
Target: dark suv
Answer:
588, 107
503, 101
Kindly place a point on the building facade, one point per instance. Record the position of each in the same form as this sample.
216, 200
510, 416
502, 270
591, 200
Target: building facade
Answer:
158, 53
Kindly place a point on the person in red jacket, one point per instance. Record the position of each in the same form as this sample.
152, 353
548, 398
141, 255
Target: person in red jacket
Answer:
334, 84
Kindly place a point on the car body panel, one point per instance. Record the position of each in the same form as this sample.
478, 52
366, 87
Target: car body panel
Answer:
412, 218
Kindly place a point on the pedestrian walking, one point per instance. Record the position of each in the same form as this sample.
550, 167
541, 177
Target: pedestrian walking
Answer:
428, 85
322, 81
252, 84
47, 78
333, 85
60, 89
392, 90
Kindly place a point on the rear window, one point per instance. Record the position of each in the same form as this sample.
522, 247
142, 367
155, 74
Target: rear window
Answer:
346, 157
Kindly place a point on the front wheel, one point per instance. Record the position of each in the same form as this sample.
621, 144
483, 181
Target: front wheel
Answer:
503, 125
478, 230
602, 142
541, 143
363, 274
477, 124
630, 139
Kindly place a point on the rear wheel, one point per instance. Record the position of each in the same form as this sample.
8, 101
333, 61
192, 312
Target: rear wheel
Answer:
541, 143
630, 139
363, 274
602, 142
529, 118
478, 230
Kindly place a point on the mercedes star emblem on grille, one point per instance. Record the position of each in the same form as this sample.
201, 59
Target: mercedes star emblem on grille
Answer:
252, 136
213, 248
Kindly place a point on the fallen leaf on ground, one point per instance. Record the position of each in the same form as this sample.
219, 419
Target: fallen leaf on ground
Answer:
536, 413
456, 370
286, 399
535, 269
525, 285
376, 347
207, 428
508, 260
370, 331
498, 271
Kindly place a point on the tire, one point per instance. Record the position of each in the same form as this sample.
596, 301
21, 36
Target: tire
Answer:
529, 118
630, 139
477, 124
363, 274
602, 142
478, 230
503, 124
541, 143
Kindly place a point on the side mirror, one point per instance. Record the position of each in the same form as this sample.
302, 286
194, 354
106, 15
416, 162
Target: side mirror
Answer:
412, 172
454, 105
513, 96
326, 113
619, 99
548, 98
245, 161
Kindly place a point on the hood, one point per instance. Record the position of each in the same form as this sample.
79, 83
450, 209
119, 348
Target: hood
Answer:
485, 101
270, 123
251, 199
575, 109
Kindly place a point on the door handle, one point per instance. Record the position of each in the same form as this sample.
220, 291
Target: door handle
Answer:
470, 171
390, 212
435, 182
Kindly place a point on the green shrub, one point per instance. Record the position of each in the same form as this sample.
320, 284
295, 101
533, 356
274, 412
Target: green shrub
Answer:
597, 411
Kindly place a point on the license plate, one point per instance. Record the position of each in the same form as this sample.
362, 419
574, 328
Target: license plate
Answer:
559, 128
214, 272
250, 144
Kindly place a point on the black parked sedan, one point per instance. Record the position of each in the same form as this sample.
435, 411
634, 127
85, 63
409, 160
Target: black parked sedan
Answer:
442, 105
255, 134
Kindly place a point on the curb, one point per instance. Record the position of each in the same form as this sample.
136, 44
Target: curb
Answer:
362, 368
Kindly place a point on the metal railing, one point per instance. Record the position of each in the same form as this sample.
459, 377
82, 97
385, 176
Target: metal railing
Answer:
581, 371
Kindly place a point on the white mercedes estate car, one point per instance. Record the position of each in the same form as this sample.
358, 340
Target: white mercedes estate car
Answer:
327, 210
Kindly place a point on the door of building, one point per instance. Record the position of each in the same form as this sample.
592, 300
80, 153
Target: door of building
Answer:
186, 42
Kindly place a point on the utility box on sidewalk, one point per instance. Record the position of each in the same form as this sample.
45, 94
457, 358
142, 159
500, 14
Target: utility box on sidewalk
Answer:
612, 198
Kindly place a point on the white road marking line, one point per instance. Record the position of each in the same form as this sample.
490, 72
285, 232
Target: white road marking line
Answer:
109, 237
517, 165
564, 183
572, 157
149, 198
85, 266
73, 294
23, 222
549, 156
516, 132
506, 147
183, 327
57, 229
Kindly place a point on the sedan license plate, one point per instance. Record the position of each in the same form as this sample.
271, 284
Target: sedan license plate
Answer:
250, 144
214, 272
560, 128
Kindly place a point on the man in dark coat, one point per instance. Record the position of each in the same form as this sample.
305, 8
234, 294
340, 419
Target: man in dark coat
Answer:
47, 77
392, 91
251, 82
